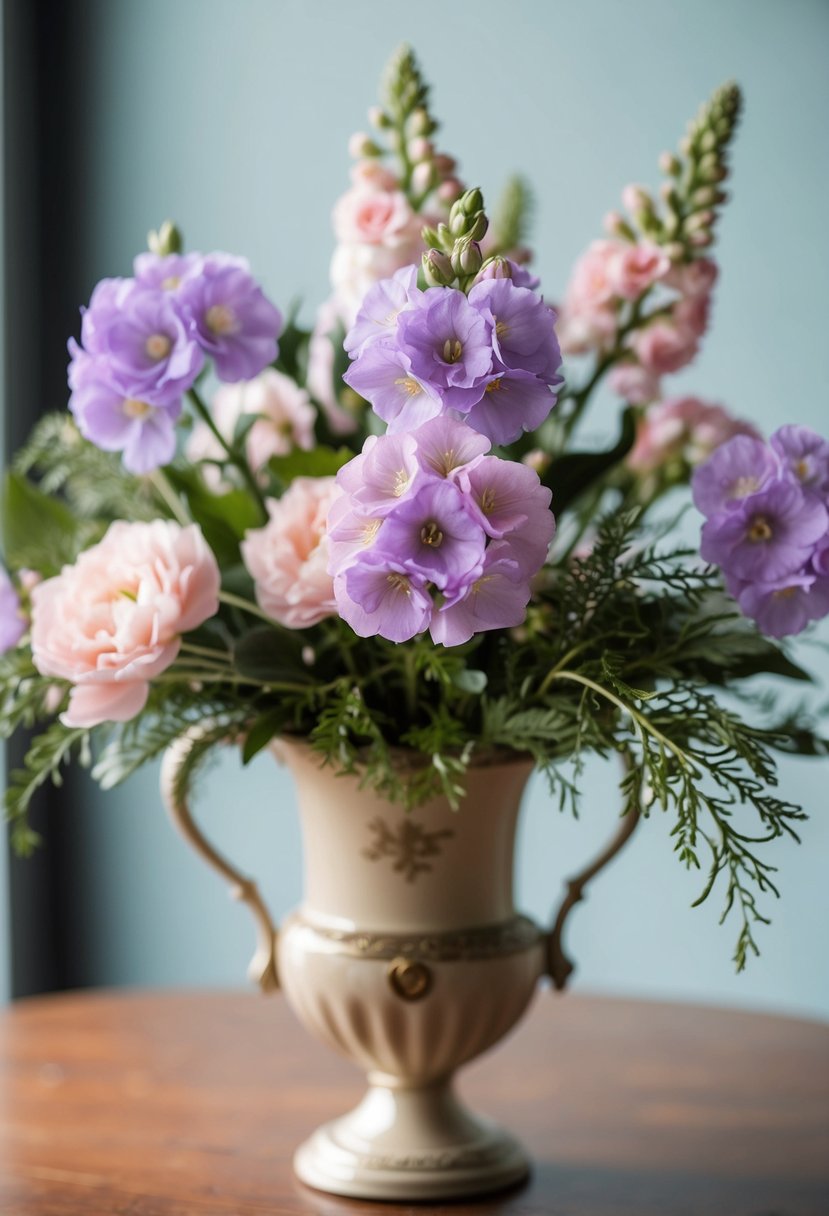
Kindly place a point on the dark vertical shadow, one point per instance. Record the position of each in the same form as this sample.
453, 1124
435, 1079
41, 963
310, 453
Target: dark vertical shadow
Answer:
43, 65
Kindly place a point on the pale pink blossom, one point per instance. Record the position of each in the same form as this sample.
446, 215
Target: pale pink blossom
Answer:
691, 314
632, 269
634, 198
288, 558
356, 268
371, 173
113, 621
373, 217
579, 332
663, 347
329, 328
591, 283
634, 383
682, 428
695, 278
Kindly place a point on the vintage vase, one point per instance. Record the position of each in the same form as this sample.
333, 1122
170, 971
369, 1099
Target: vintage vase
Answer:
408, 955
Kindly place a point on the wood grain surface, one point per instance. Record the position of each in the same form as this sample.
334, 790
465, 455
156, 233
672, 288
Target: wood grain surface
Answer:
190, 1104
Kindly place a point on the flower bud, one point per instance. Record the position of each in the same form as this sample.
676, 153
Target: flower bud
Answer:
423, 177
419, 149
360, 145
494, 268
166, 241
467, 258
636, 199
419, 122
615, 225
472, 201
444, 164
699, 221
445, 236
431, 238
669, 164
378, 118
458, 221
705, 196
437, 269
538, 460
701, 239
477, 229
449, 190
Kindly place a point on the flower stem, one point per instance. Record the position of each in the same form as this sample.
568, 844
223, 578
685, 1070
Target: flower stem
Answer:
238, 601
162, 487
236, 460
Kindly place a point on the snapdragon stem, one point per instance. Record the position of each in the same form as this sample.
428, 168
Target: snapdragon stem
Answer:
237, 461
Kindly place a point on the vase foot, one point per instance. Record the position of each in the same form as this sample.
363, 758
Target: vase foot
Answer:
410, 1144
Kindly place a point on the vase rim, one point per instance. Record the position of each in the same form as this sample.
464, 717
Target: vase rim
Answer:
492, 758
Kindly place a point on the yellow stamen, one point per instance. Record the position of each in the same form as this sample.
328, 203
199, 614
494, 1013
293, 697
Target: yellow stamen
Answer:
220, 320
158, 346
401, 483
452, 350
744, 486
487, 501
496, 386
133, 408
400, 583
431, 535
171, 283
370, 529
409, 385
759, 530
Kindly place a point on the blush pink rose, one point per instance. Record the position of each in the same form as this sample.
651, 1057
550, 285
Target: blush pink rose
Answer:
663, 347
288, 558
683, 428
373, 217
113, 620
632, 269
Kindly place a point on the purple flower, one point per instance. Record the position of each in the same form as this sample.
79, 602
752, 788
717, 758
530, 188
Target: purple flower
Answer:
379, 310
117, 422
770, 536
379, 595
504, 268
12, 624
804, 455
508, 500
387, 468
787, 606
434, 536
165, 273
134, 338
522, 327
738, 468
383, 375
445, 445
513, 402
232, 320
449, 344
496, 599
351, 533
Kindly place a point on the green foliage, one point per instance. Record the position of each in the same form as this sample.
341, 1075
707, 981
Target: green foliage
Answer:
39, 532
512, 215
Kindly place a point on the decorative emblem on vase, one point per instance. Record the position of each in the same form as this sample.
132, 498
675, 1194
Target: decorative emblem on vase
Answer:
410, 846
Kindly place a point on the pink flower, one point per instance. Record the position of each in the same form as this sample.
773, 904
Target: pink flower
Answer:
288, 558
696, 278
691, 314
328, 328
591, 283
579, 332
373, 217
356, 268
632, 269
113, 620
634, 383
373, 174
682, 428
662, 347
287, 419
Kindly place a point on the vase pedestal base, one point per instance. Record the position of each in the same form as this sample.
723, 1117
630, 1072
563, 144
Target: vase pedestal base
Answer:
404, 1144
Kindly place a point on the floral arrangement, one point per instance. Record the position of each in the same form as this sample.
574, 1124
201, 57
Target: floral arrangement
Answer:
347, 533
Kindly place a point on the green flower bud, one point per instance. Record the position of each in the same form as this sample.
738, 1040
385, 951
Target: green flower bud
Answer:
166, 241
477, 229
669, 164
472, 201
437, 269
467, 258
431, 238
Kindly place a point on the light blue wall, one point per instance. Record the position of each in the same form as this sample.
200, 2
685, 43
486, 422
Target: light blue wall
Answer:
234, 119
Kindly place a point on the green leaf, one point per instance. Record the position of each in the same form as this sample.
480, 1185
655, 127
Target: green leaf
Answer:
293, 349
569, 476
39, 532
223, 518
273, 655
319, 462
266, 726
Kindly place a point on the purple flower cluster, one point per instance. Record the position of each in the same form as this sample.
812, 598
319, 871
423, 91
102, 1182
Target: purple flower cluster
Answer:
767, 525
12, 622
491, 358
144, 341
432, 533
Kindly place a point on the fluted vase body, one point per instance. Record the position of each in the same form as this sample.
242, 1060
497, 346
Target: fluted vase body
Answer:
408, 956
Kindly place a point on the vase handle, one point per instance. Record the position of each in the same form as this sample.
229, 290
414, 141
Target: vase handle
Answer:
262, 968
559, 965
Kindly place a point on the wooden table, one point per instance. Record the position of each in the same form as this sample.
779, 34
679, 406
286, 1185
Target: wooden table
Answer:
190, 1105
